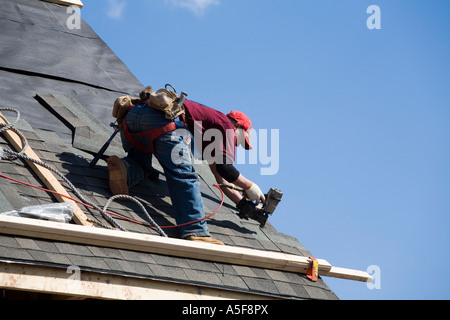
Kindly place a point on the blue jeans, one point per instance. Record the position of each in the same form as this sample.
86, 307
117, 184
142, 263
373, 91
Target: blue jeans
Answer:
173, 153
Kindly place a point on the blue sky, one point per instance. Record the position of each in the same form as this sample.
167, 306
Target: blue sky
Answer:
363, 117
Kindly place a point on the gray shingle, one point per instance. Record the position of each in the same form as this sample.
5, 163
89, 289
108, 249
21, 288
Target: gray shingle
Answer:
167, 272
137, 256
9, 242
261, 285
27, 243
105, 252
49, 257
5, 206
75, 249
331, 295
169, 261
203, 277
126, 266
11, 253
138, 268
47, 246
295, 278
226, 269
113, 264
261, 273
241, 242
300, 291
244, 271
285, 289
316, 293
88, 262
202, 265
225, 239
277, 275
233, 281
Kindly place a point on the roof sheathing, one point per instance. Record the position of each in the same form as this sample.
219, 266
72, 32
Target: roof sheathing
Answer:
51, 139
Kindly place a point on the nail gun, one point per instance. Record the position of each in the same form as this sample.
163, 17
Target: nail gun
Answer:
248, 209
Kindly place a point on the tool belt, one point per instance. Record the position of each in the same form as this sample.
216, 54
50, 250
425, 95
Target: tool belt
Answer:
153, 134
164, 100
122, 106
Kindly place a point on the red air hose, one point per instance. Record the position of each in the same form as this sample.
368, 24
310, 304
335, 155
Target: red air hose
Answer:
118, 215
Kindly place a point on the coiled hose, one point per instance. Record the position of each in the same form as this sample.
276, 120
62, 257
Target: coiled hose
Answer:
103, 212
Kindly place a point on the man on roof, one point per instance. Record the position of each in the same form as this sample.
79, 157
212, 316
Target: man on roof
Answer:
216, 136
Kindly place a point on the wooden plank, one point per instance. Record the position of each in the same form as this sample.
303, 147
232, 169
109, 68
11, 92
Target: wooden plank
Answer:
76, 3
86, 284
348, 274
44, 174
172, 247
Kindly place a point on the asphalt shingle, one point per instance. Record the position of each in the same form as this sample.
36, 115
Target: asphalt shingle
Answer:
11, 253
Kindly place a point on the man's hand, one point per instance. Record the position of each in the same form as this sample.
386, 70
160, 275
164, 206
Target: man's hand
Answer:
255, 194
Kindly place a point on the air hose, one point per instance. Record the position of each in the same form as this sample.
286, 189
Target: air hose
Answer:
106, 215
20, 155
153, 225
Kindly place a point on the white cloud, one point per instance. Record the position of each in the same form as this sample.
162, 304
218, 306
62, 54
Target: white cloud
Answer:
115, 9
198, 7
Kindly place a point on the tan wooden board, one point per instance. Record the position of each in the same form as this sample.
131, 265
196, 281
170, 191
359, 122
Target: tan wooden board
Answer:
171, 247
45, 175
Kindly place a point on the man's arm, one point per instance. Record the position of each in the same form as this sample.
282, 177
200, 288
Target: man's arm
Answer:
233, 195
231, 173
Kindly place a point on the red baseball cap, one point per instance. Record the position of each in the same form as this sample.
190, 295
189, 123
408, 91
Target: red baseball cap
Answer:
245, 124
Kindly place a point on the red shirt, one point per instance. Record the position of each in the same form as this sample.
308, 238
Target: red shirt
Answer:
213, 132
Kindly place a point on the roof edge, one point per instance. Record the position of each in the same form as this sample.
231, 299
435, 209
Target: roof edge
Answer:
87, 284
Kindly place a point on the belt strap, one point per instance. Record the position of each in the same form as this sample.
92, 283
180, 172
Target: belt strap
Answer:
153, 134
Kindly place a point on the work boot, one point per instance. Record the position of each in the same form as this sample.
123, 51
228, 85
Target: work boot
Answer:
118, 177
208, 239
